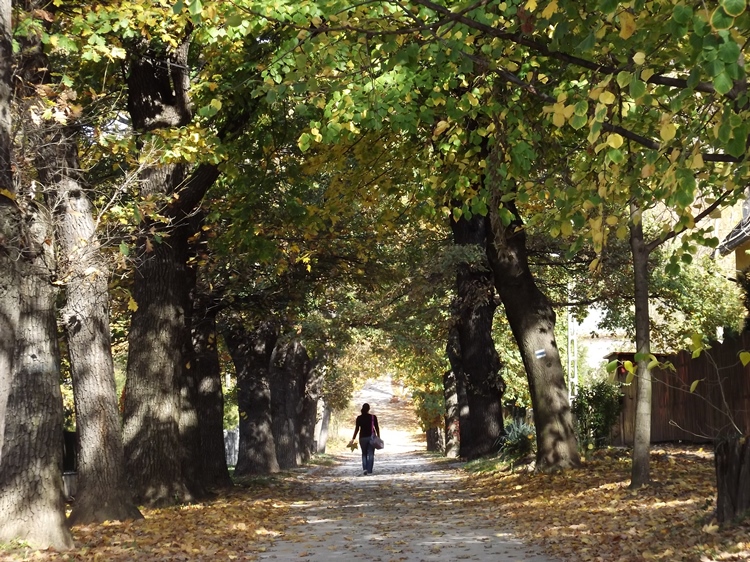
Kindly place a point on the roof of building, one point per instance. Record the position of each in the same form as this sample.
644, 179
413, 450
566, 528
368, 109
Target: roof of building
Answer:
738, 236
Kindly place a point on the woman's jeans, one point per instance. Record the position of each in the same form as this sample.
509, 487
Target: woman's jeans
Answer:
368, 454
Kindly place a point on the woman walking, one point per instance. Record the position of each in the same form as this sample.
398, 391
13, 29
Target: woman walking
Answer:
366, 425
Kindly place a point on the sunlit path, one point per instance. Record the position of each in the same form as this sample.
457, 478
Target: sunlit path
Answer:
414, 507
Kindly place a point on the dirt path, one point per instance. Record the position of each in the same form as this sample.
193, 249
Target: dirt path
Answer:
414, 508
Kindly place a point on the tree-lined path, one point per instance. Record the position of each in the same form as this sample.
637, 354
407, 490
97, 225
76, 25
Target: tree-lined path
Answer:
415, 507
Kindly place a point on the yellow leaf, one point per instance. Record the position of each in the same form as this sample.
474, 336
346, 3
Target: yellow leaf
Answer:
439, 128
697, 161
627, 25
8, 194
612, 220
566, 229
647, 73
694, 385
745, 358
648, 170
615, 140
132, 305
558, 119
531, 5
667, 132
607, 98
639, 58
550, 10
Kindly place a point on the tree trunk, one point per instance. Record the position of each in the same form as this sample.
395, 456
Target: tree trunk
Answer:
434, 440
251, 354
321, 427
474, 309
732, 462
641, 470
313, 385
6, 61
102, 493
159, 340
32, 506
452, 441
289, 365
210, 400
464, 436
9, 221
193, 466
532, 321
156, 359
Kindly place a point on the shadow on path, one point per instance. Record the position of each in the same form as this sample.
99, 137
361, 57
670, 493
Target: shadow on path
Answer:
415, 507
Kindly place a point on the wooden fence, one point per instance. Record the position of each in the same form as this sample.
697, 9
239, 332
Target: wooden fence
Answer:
720, 401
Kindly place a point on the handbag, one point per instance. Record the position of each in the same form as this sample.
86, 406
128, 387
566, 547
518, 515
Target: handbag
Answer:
376, 441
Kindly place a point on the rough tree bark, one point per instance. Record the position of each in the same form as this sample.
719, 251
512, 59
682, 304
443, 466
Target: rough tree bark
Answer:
251, 354
32, 506
434, 440
323, 420
193, 467
210, 400
289, 367
474, 309
732, 463
532, 321
9, 217
312, 385
452, 440
159, 337
102, 491
156, 362
641, 467
462, 423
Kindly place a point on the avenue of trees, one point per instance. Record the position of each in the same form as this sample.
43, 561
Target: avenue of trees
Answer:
292, 179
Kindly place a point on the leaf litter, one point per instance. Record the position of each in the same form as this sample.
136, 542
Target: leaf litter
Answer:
582, 515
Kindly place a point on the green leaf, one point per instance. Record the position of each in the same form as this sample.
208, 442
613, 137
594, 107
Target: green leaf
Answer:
195, 7
612, 365
124, 249
177, 8
694, 385
682, 14
578, 121
304, 142
723, 83
587, 44
745, 358
235, 20
729, 51
720, 20
733, 8
624, 79
637, 89
608, 6
616, 155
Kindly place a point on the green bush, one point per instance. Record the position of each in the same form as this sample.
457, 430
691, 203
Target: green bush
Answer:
596, 409
518, 442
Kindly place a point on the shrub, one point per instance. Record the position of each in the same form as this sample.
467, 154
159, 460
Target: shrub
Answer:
518, 442
596, 409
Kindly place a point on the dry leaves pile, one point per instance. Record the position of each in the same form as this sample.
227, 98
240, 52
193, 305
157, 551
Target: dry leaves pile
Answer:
591, 515
234, 527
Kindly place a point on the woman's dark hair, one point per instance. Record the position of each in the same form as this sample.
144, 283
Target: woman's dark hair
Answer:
365, 408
